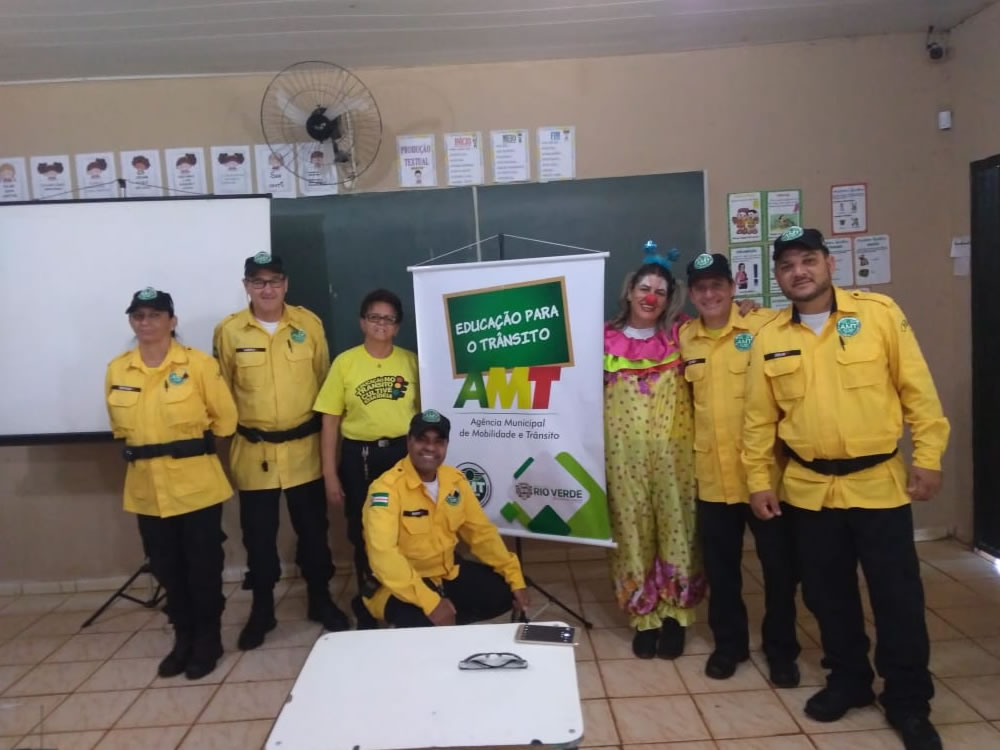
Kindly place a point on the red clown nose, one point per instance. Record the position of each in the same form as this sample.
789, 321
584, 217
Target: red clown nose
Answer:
650, 299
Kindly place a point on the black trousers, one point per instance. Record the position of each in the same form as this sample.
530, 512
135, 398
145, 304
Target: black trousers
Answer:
831, 542
186, 556
259, 522
721, 527
478, 593
361, 463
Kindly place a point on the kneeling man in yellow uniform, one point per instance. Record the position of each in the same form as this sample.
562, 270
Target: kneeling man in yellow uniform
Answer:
414, 516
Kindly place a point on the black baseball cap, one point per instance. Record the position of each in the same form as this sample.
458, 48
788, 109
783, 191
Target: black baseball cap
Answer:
430, 420
706, 265
262, 261
152, 298
799, 238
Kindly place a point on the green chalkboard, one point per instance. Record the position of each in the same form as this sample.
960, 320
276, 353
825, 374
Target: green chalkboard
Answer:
338, 248
615, 214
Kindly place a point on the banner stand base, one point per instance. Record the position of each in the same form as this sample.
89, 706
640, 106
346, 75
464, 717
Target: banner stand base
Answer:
554, 600
154, 600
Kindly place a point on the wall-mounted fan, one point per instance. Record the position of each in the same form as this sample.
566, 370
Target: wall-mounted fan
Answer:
323, 114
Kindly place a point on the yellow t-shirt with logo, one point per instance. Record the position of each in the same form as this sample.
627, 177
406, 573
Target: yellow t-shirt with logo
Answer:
375, 398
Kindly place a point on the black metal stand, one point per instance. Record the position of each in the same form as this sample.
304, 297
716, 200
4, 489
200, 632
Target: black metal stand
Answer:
555, 600
157, 597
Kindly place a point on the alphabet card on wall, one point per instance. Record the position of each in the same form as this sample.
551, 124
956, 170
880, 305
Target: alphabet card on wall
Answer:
96, 176
231, 173
872, 263
186, 170
13, 185
50, 178
141, 172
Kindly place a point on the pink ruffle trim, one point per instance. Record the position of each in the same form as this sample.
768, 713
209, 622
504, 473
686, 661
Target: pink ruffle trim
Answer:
656, 348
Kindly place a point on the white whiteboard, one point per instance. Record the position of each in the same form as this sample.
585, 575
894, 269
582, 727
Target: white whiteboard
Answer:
69, 270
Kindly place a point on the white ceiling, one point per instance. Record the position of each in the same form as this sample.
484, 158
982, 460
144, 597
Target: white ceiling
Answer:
45, 39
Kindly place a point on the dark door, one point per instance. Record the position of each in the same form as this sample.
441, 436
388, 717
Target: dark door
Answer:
985, 186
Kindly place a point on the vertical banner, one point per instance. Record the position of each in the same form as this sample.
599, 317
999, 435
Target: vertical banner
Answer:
510, 352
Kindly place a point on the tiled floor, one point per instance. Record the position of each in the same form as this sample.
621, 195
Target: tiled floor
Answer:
97, 689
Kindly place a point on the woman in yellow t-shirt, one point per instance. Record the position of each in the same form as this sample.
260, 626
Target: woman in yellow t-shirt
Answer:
167, 402
367, 401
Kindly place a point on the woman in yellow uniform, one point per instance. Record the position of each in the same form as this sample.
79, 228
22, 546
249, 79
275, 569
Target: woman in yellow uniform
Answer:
367, 402
168, 402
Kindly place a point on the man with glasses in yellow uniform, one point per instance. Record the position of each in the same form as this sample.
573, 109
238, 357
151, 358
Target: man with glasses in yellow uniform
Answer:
274, 357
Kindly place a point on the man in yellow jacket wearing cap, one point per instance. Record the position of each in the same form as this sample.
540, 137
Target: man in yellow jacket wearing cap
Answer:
834, 377
414, 516
274, 357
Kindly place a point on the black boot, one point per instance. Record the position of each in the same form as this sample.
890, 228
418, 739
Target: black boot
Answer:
324, 611
364, 618
671, 643
206, 652
177, 660
261, 620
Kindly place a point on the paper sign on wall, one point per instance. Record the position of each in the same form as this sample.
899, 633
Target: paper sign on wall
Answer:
849, 208
511, 159
744, 217
141, 172
556, 153
464, 154
13, 185
96, 176
186, 170
417, 161
843, 260
231, 173
317, 169
784, 210
871, 259
747, 265
50, 178
273, 175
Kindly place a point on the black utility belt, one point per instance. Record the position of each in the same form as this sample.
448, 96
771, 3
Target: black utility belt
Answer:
205, 445
839, 467
380, 443
310, 427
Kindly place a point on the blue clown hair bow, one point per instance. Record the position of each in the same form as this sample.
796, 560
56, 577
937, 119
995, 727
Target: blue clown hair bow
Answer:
652, 256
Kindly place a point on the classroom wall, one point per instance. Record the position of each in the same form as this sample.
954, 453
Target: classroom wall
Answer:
796, 115
975, 101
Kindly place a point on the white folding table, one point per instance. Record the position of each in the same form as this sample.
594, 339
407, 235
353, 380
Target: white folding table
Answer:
401, 688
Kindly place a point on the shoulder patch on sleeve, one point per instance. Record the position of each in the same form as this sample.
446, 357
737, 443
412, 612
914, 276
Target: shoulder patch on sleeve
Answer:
379, 499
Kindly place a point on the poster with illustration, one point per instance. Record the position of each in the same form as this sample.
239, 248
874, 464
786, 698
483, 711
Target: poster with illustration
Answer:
96, 176
784, 210
744, 212
317, 170
872, 262
417, 159
13, 185
849, 208
747, 264
843, 260
273, 175
50, 178
231, 173
141, 171
186, 170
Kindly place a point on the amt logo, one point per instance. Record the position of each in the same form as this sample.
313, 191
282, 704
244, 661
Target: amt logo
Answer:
526, 388
479, 480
